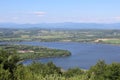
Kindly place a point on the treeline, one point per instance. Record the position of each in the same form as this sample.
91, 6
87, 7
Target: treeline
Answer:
33, 52
11, 69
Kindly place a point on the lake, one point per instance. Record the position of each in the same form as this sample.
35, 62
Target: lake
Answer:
84, 55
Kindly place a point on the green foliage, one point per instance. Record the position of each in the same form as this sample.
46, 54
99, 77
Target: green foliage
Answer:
8, 63
23, 73
9, 60
33, 52
73, 72
10, 69
98, 71
113, 71
44, 69
4, 74
102, 71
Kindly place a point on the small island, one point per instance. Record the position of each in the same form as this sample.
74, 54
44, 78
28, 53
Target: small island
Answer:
35, 52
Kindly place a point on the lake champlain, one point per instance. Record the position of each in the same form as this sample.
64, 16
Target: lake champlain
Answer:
84, 55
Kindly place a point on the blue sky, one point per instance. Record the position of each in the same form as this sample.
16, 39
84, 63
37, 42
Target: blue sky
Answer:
54, 11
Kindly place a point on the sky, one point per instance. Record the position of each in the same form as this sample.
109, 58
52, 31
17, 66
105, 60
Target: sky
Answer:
59, 11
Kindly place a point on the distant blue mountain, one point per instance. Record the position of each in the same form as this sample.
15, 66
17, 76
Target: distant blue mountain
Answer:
67, 25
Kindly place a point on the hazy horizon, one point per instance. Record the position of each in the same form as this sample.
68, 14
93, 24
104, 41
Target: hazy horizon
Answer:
62, 25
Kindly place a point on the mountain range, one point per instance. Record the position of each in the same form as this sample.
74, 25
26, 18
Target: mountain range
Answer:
66, 25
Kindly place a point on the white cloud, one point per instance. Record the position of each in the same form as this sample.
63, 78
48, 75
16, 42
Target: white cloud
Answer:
39, 13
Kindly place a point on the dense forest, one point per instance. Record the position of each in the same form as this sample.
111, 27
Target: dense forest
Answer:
11, 69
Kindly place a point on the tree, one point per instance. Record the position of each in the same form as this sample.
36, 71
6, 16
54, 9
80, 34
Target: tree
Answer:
73, 72
98, 70
8, 60
4, 74
113, 71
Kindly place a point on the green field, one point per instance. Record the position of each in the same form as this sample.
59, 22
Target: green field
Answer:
53, 35
111, 41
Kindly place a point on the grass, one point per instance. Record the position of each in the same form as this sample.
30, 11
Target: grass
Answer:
112, 41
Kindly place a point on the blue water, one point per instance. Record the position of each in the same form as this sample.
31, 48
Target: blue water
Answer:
84, 55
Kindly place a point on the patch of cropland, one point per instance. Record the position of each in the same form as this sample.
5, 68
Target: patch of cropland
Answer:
62, 35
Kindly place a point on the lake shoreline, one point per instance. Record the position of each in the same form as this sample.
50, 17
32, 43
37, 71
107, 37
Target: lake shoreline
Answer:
10, 42
83, 55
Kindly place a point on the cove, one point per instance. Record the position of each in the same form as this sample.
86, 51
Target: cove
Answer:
84, 55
